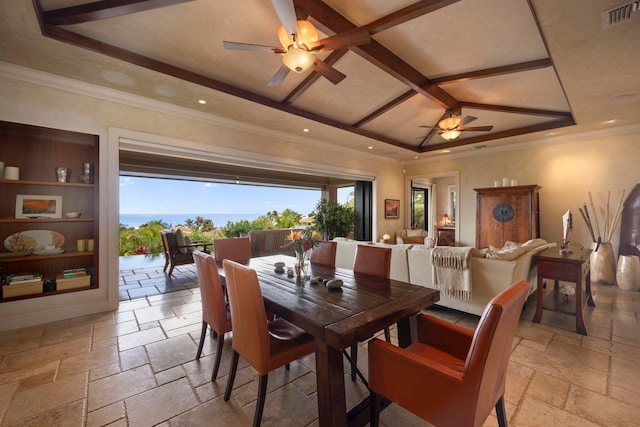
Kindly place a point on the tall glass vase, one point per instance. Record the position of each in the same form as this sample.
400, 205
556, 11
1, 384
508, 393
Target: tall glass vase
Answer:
301, 263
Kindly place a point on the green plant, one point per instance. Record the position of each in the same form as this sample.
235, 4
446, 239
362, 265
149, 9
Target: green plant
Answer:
333, 219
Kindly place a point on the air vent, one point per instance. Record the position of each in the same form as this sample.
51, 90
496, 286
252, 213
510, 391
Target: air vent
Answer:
620, 14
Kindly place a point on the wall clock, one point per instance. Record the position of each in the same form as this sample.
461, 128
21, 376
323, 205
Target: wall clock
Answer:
503, 212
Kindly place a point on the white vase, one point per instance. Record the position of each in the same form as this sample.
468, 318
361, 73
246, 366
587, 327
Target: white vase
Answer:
603, 264
628, 272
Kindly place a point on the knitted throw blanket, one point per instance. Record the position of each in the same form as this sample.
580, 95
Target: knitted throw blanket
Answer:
451, 273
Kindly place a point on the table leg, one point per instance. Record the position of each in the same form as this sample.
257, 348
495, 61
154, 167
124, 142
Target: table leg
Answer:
580, 327
589, 294
538, 316
332, 402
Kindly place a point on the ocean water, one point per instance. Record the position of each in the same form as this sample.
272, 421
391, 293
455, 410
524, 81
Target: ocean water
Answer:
219, 220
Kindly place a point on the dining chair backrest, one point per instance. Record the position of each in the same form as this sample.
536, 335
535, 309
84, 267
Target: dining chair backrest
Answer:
236, 249
372, 260
324, 253
214, 310
248, 315
491, 346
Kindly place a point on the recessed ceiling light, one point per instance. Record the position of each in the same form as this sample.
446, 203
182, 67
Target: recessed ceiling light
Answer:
623, 99
305, 130
550, 133
610, 122
370, 147
118, 78
416, 157
164, 91
202, 101
446, 151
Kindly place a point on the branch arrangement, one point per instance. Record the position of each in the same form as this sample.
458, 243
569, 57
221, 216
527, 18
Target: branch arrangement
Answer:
610, 222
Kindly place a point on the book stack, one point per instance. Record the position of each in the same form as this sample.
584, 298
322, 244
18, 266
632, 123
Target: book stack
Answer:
22, 284
72, 278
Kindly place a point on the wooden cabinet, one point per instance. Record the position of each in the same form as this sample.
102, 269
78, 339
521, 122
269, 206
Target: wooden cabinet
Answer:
446, 236
507, 214
37, 151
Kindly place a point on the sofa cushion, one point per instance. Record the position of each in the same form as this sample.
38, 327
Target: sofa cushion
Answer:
414, 233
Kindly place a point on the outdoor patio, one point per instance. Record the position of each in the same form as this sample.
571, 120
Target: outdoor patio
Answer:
142, 276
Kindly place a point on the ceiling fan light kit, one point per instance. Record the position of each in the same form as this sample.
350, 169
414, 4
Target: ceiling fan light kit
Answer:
297, 59
450, 135
307, 34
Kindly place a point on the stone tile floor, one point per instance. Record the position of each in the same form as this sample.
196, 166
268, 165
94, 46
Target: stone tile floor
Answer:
136, 367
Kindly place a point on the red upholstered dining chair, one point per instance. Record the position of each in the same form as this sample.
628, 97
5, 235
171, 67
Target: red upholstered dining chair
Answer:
215, 310
264, 344
324, 253
236, 249
374, 261
465, 370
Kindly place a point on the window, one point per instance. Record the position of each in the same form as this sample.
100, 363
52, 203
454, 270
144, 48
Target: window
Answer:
419, 208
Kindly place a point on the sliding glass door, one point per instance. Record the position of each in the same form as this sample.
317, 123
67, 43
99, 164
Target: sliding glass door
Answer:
420, 208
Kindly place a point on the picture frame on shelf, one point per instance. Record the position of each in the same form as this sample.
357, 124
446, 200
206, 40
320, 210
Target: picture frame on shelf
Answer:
391, 209
38, 206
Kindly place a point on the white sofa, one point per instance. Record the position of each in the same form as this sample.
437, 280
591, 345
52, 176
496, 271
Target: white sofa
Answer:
489, 276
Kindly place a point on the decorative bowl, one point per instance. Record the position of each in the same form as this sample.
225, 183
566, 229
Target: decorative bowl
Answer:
72, 214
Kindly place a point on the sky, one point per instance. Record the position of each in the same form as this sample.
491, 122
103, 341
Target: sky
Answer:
152, 195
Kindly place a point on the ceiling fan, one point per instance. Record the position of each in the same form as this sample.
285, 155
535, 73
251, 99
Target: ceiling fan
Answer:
450, 127
299, 39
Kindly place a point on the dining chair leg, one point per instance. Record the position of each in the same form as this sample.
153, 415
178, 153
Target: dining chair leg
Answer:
387, 335
203, 334
374, 415
262, 394
354, 358
214, 374
232, 375
501, 413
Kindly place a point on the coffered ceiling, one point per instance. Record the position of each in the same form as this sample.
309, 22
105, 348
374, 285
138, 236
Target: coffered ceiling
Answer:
529, 68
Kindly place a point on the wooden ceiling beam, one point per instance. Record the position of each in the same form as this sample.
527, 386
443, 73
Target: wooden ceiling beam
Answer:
313, 77
496, 71
331, 22
388, 106
102, 10
564, 122
516, 110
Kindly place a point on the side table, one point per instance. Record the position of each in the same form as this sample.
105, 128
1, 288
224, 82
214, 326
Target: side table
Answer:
573, 267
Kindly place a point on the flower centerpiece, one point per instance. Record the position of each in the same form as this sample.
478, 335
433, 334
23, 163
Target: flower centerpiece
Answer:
302, 242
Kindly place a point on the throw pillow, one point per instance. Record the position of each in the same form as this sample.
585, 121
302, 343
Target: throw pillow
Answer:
534, 243
414, 233
181, 241
506, 254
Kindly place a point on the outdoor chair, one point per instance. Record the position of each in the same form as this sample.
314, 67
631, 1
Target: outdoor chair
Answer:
264, 344
178, 249
451, 376
215, 310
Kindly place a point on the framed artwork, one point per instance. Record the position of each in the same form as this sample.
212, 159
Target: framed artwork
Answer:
391, 209
32, 206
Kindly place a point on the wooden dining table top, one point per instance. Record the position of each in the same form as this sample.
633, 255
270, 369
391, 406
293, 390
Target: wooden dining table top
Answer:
354, 312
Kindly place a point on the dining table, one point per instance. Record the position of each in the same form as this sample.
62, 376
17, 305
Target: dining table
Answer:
338, 318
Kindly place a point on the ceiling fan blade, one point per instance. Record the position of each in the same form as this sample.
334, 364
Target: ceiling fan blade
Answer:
279, 76
466, 120
354, 37
328, 72
476, 129
429, 127
287, 15
251, 46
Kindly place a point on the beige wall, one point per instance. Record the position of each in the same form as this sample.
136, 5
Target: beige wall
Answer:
566, 169
82, 108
